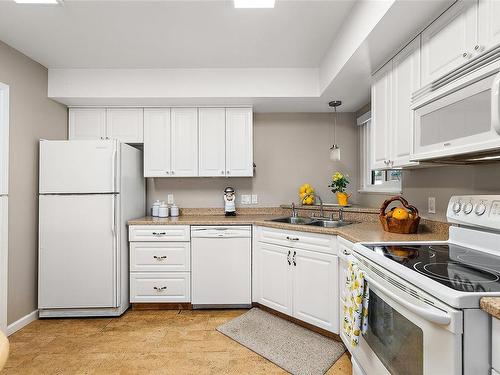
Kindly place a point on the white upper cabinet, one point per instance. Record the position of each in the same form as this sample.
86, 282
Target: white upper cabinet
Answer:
405, 81
184, 142
157, 142
450, 41
489, 25
212, 142
87, 123
125, 124
381, 117
239, 142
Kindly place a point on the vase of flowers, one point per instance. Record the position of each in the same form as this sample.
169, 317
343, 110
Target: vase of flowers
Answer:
339, 185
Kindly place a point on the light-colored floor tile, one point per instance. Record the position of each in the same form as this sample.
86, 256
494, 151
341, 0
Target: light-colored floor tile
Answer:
139, 342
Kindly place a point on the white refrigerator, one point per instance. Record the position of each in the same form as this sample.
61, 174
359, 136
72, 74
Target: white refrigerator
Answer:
88, 192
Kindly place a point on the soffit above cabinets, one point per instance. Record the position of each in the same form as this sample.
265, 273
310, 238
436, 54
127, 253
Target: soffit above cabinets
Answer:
295, 57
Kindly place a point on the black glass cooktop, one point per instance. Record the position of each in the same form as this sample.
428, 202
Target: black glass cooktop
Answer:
456, 267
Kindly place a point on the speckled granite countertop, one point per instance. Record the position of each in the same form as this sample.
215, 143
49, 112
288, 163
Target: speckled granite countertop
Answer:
359, 232
491, 305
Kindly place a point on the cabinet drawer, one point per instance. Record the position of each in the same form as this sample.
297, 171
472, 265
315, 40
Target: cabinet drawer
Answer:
160, 287
151, 233
160, 256
308, 241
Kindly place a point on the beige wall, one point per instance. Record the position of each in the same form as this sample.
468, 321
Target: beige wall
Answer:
32, 116
289, 149
441, 183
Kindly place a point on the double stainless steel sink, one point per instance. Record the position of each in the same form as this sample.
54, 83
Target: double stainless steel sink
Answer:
318, 222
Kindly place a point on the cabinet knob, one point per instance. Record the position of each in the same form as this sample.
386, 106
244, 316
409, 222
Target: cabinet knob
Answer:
172, 172
221, 172
167, 172
466, 55
227, 172
346, 252
478, 48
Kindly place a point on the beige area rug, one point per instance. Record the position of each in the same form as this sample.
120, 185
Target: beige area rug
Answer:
288, 345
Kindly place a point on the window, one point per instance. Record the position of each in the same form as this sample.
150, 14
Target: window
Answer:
374, 181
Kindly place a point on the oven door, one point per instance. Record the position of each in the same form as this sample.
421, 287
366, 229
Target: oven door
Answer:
408, 333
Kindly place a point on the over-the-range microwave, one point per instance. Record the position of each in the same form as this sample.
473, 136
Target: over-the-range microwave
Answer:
457, 119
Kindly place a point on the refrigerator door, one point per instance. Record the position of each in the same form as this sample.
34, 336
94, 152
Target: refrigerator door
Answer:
77, 251
68, 167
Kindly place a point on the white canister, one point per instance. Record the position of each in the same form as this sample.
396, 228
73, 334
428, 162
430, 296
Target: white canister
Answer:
163, 210
174, 210
155, 209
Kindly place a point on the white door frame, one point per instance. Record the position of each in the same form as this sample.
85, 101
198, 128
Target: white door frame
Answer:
4, 176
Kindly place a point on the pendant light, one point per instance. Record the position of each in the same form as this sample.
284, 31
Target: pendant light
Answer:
335, 149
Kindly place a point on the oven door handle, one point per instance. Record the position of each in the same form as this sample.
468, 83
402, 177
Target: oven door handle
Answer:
440, 318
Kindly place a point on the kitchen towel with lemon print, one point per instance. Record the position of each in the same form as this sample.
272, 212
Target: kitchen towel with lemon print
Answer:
356, 304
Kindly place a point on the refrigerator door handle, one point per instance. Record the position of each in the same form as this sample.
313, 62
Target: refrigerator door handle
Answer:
113, 220
113, 163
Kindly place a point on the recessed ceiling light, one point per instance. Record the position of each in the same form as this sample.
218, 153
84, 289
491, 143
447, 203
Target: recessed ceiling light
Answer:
55, 2
254, 3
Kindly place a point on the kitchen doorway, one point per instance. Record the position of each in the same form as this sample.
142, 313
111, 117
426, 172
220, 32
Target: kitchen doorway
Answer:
4, 201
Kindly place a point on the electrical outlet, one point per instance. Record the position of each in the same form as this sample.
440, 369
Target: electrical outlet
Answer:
246, 199
255, 199
170, 199
431, 209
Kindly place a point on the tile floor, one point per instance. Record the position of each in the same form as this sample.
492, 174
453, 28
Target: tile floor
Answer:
145, 342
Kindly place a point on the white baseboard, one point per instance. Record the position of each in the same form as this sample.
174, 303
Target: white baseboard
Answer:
23, 322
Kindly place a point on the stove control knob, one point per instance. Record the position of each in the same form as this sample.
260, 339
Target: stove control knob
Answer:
480, 209
468, 208
457, 206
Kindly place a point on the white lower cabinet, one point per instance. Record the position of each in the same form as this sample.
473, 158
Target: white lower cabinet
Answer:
495, 347
274, 277
160, 263
299, 282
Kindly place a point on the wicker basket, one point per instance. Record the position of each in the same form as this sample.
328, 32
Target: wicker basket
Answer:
406, 226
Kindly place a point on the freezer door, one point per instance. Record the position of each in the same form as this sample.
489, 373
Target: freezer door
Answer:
77, 251
78, 167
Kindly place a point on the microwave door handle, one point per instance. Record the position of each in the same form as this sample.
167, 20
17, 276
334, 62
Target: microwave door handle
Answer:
495, 104
440, 318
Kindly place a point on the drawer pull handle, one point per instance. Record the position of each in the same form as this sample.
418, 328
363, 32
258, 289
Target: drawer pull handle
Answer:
160, 289
163, 257
159, 233
288, 258
292, 238
293, 259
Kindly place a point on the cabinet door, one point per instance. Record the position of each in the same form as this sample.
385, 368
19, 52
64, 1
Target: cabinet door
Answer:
274, 277
157, 142
449, 41
125, 124
239, 142
184, 142
381, 117
212, 142
489, 25
315, 289
405, 81
87, 123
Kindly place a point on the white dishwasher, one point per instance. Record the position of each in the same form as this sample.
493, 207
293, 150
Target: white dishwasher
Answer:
221, 266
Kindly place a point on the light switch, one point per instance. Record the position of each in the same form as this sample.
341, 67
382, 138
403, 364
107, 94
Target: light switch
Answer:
245, 199
255, 199
431, 209
170, 199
